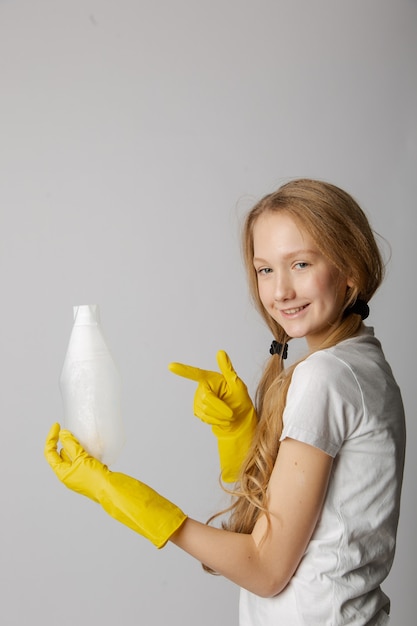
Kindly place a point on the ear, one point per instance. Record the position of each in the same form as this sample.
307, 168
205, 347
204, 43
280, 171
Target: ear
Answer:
349, 282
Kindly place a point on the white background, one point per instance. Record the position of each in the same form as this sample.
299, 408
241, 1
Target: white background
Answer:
134, 135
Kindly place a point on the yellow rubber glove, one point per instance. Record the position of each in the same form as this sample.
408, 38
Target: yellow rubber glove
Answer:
126, 499
222, 400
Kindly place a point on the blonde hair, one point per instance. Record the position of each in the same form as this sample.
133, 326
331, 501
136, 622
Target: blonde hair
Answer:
342, 233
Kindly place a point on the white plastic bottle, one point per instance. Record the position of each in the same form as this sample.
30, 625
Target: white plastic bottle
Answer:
91, 388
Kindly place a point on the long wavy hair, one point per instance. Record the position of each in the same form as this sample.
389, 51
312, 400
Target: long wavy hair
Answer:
342, 233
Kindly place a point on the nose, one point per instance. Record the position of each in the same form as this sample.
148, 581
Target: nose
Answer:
283, 287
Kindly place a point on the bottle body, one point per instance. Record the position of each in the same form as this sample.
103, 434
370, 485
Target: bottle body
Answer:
91, 388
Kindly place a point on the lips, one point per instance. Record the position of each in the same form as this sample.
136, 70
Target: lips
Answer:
294, 310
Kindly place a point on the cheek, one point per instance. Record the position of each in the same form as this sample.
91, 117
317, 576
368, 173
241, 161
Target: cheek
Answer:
334, 289
262, 293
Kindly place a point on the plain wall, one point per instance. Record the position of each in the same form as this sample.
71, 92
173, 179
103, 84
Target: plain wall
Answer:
134, 135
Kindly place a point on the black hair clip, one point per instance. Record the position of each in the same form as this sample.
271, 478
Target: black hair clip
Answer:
359, 307
279, 348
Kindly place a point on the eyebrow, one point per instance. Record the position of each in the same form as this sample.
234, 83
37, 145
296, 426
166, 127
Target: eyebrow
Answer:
293, 253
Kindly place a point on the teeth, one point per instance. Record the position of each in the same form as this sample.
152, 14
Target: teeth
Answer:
292, 311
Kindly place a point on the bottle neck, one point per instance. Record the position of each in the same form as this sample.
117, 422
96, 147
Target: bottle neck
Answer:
86, 315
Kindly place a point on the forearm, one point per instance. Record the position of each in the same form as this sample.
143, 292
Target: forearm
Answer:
235, 556
262, 562
265, 561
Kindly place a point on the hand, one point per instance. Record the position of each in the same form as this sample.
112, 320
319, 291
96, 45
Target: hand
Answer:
73, 465
126, 499
222, 400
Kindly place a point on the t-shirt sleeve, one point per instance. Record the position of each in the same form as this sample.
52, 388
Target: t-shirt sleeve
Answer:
324, 403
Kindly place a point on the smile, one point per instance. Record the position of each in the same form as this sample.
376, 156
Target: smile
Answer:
293, 311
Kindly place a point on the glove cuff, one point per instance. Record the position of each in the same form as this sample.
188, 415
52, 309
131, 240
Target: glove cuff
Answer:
141, 508
234, 446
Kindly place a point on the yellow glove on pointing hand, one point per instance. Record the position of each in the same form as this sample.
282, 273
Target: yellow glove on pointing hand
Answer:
222, 400
126, 499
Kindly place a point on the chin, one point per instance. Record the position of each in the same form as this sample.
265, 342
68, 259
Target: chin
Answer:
294, 333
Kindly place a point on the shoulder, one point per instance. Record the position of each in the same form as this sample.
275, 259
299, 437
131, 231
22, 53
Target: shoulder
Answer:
325, 401
322, 372
343, 366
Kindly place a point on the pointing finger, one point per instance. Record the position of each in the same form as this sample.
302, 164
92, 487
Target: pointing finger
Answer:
188, 371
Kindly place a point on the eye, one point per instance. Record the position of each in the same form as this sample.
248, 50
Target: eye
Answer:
262, 271
302, 265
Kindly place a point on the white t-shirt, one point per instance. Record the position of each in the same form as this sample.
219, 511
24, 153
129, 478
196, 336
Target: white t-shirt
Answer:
345, 401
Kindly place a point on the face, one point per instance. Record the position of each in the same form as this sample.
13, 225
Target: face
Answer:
297, 285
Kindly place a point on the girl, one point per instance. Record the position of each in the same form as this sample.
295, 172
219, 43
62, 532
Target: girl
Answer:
318, 462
